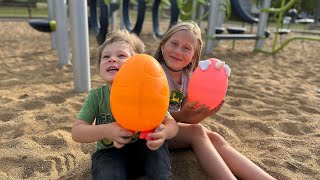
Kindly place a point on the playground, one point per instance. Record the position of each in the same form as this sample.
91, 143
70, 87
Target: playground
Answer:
271, 111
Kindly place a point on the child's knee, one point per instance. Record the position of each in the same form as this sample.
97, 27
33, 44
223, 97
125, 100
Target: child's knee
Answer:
108, 173
198, 131
217, 139
108, 165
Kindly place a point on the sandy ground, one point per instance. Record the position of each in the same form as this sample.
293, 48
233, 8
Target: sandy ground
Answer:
271, 112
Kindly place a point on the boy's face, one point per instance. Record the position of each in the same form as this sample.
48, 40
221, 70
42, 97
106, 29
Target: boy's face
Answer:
112, 58
179, 49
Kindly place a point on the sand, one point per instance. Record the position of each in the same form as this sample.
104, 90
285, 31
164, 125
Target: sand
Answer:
271, 112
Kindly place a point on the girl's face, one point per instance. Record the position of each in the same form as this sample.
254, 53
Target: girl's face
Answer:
179, 49
112, 58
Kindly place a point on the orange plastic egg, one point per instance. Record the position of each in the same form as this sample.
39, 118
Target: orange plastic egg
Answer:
140, 94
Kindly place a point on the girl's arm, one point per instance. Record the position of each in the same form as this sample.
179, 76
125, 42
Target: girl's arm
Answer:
191, 114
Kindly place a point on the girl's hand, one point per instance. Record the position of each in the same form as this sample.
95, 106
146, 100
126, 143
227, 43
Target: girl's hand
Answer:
196, 114
202, 109
194, 108
215, 110
119, 135
157, 138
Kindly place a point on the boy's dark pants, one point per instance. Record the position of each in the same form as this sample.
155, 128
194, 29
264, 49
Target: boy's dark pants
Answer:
132, 160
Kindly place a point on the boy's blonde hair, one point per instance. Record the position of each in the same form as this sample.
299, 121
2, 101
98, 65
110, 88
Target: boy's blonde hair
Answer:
190, 26
122, 35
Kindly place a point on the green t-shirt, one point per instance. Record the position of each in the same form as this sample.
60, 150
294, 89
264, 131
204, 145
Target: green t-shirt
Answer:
97, 107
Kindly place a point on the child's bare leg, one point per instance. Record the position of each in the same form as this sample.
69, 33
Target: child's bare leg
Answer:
195, 136
240, 165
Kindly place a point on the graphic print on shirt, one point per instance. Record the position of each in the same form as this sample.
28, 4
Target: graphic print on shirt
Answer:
176, 97
105, 119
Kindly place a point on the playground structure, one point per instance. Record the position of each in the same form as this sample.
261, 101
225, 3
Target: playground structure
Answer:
80, 38
262, 29
213, 12
280, 11
108, 11
236, 33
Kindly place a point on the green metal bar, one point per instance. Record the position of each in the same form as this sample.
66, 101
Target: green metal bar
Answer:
278, 25
233, 44
282, 9
274, 51
202, 2
311, 38
185, 15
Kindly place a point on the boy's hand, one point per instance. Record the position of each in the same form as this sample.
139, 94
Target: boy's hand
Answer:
119, 135
157, 138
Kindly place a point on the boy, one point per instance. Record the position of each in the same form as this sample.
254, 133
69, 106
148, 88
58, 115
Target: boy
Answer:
119, 153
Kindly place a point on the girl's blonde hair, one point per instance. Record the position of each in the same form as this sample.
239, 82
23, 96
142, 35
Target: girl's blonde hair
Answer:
122, 35
190, 26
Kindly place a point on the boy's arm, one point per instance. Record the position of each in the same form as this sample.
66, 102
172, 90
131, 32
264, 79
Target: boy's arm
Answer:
84, 132
171, 127
166, 130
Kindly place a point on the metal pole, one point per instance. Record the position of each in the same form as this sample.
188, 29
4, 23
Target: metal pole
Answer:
200, 13
113, 16
194, 10
62, 32
80, 45
51, 16
262, 25
93, 19
221, 12
211, 26
121, 15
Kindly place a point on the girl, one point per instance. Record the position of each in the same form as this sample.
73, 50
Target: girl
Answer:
119, 154
179, 53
